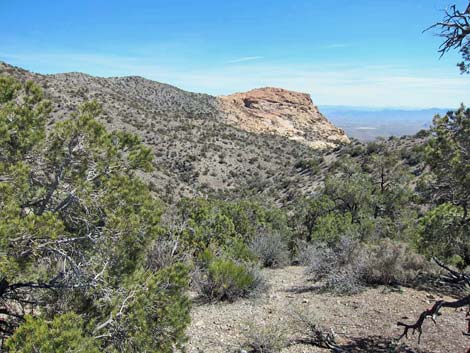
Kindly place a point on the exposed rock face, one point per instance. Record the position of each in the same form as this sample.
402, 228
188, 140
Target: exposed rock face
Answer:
282, 112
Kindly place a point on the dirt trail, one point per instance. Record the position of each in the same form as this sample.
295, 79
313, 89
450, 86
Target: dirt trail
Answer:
364, 322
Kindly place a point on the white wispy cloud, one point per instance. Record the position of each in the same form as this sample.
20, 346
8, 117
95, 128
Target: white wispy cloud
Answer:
244, 59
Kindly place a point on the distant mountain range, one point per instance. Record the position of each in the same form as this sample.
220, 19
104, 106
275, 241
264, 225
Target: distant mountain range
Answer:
368, 123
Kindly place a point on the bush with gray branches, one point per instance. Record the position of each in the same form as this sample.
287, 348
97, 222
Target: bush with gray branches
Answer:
271, 250
350, 265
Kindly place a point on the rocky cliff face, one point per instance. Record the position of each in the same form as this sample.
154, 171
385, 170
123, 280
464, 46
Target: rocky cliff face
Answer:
281, 112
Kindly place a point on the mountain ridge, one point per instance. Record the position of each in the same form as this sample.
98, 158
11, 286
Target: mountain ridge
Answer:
302, 121
198, 151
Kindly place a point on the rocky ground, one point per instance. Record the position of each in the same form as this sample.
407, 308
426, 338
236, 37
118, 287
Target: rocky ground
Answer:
364, 322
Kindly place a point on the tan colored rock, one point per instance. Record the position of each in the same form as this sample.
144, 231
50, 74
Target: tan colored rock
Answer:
282, 112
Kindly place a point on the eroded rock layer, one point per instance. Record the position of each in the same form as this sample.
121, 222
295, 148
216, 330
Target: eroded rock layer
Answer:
282, 112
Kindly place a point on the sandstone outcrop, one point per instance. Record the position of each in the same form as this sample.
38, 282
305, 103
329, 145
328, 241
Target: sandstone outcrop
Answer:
282, 112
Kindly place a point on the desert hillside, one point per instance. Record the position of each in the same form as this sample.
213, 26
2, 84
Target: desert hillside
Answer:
272, 246
301, 183
203, 144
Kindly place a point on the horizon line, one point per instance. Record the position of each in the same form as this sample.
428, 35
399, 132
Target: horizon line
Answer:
338, 106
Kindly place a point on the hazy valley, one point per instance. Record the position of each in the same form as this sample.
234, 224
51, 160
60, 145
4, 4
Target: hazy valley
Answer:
366, 124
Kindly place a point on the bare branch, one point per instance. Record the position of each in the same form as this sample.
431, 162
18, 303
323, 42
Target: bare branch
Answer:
455, 29
434, 311
74, 141
453, 276
431, 313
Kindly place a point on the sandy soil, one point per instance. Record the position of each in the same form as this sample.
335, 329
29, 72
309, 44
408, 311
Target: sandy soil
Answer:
364, 322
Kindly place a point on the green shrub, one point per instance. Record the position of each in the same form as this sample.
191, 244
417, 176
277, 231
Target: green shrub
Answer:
236, 249
227, 224
157, 304
86, 225
226, 280
376, 146
445, 235
423, 133
311, 165
64, 334
332, 226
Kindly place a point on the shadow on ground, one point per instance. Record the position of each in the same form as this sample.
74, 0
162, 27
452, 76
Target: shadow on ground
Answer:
437, 285
306, 289
431, 284
377, 344
370, 344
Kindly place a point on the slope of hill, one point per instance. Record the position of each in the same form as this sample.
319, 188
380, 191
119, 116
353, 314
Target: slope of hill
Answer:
200, 147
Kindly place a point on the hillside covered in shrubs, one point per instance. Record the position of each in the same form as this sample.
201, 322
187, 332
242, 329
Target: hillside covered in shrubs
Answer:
94, 258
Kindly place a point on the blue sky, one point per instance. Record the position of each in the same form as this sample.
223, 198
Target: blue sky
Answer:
361, 52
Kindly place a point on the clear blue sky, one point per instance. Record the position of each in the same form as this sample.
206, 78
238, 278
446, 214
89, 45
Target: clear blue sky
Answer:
342, 52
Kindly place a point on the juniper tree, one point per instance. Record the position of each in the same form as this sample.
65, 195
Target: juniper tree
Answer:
75, 226
446, 228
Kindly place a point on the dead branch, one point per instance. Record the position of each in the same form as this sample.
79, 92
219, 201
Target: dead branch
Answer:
315, 336
431, 313
452, 275
455, 29
434, 311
